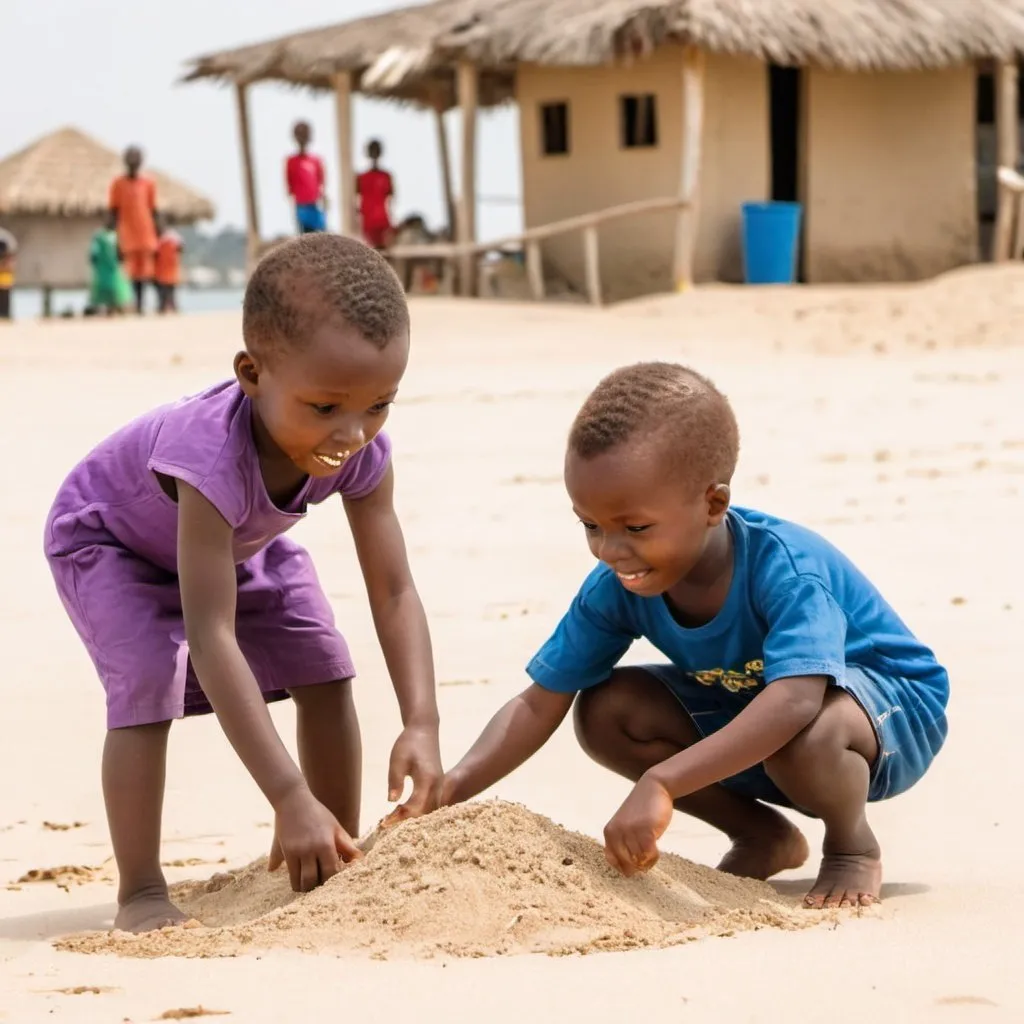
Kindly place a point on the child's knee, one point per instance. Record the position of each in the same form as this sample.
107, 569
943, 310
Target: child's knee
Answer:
598, 713
630, 706
840, 726
320, 697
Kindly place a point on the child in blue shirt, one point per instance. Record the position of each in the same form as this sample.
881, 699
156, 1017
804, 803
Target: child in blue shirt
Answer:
789, 680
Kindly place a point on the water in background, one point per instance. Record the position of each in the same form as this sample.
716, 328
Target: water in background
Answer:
27, 303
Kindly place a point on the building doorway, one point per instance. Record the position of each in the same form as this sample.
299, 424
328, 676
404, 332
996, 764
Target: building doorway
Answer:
786, 113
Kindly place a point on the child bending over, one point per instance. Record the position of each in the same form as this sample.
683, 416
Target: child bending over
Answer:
789, 680
168, 550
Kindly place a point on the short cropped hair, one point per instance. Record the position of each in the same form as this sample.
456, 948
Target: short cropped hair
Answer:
667, 404
320, 277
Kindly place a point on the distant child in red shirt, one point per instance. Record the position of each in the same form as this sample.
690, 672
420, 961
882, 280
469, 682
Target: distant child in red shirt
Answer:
375, 190
304, 175
169, 247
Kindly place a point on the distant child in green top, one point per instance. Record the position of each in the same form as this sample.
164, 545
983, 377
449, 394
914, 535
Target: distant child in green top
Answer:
110, 291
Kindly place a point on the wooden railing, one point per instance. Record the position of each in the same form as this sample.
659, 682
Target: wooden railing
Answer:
1009, 242
452, 253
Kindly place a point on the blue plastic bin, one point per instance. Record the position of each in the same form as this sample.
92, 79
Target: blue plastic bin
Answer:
771, 241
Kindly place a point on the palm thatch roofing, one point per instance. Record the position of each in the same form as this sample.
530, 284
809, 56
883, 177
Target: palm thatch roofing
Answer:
408, 54
68, 174
312, 57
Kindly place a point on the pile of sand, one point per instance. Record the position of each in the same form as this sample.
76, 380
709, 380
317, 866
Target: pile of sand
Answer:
479, 879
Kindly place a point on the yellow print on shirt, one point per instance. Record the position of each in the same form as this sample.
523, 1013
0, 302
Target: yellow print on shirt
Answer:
750, 678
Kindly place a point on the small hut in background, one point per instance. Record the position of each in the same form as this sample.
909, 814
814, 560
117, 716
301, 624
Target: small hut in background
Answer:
650, 123
54, 194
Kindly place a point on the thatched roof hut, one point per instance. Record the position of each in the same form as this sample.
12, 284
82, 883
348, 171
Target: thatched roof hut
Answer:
415, 48
68, 174
314, 57
475, 53
54, 193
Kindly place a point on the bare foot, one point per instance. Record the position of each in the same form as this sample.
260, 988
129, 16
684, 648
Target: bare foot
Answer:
147, 913
767, 853
846, 880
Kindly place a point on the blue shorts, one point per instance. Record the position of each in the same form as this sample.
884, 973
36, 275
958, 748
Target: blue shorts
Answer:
310, 217
909, 732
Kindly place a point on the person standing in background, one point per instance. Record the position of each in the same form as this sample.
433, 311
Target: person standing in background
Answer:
8, 247
304, 178
134, 213
109, 291
169, 248
375, 188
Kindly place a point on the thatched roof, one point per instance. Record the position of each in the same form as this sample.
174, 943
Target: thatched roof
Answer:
408, 53
68, 173
311, 57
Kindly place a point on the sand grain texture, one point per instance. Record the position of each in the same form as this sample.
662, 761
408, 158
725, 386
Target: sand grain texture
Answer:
480, 879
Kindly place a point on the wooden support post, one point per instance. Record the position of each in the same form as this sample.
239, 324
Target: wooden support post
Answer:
252, 213
592, 259
1008, 149
346, 163
1018, 227
446, 170
687, 221
535, 270
468, 89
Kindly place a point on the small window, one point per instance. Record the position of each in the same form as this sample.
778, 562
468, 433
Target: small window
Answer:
554, 127
639, 116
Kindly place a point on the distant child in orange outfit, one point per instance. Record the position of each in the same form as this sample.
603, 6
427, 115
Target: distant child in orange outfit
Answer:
133, 209
375, 189
169, 248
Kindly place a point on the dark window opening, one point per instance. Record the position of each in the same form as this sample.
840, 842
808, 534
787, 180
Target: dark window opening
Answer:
554, 127
639, 121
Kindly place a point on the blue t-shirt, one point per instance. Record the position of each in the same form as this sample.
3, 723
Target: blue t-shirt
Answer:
796, 606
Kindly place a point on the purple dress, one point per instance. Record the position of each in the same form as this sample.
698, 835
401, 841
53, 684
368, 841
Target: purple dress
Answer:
111, 543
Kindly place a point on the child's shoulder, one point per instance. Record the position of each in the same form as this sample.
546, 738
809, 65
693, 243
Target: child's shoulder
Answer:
193, 432
778, 553
188, 438
770, 538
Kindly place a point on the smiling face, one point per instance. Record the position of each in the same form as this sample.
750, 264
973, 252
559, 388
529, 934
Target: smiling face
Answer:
643, 518
316, 406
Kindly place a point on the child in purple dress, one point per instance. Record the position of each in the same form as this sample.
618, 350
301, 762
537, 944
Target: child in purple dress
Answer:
166, 544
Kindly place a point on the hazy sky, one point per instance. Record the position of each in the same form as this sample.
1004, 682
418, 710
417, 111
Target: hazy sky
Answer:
111, 68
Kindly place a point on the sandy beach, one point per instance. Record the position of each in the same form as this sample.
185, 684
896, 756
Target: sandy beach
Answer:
888, 418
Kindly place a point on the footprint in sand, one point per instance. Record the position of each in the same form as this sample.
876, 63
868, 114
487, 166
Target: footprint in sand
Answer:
83, 990
190, 862
69, 874
188, 1012
56, 826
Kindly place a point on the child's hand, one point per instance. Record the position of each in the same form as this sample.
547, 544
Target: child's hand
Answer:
416, 755
631, 837
308, 838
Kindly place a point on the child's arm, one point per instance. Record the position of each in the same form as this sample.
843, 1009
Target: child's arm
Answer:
773, 718
311, 840
405, 641
511, 737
